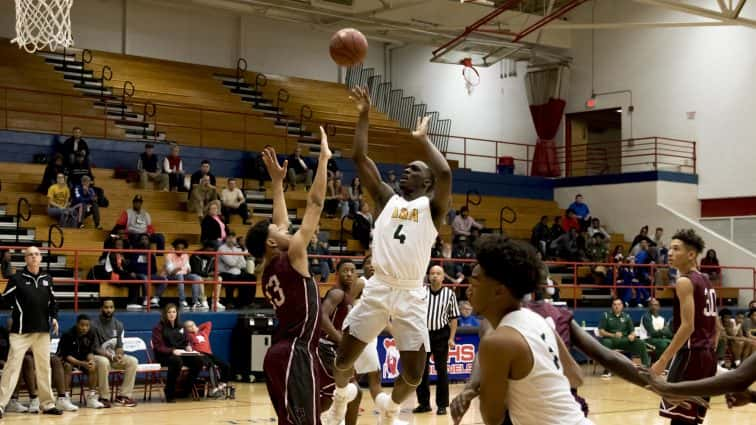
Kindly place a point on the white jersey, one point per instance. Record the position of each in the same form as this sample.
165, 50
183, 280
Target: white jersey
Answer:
545, 382
402, 241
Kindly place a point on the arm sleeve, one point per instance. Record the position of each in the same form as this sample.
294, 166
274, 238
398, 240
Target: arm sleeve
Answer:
10, 291
603, 322
453, 307
123, 219
64, 346
166, 165
150, 228
629, 325
206, 328
119, 335
52, 304
158, 345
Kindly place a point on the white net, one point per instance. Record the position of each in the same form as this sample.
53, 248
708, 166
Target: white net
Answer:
41, 23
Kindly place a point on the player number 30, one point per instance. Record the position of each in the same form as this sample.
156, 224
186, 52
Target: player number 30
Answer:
710, 310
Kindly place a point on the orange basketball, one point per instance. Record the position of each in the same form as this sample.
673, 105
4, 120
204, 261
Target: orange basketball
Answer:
348, 47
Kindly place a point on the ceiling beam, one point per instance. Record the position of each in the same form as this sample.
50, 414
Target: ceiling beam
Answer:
699, 11
735, 12
635, 25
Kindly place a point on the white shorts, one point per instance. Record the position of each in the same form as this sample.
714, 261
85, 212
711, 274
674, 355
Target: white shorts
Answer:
407, 309
368, 360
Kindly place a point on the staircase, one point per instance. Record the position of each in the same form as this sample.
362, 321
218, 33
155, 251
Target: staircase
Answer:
114, 101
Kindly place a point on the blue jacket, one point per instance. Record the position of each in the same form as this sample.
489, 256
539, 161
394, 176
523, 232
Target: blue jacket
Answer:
81, 196
581, 210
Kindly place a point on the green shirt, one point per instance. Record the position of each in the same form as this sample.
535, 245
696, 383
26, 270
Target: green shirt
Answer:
613, 324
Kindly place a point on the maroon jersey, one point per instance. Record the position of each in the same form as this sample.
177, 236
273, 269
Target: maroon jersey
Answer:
339, 313
562, 318
705, 322
295, 299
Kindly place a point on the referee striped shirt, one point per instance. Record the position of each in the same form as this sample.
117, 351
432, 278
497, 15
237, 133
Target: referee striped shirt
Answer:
442, 307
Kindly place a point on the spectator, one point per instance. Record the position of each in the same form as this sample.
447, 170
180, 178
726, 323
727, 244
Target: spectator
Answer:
596, 227
618, 332
392, 181
203, 172
53, 168
73, 146
656, 327
642, 235
85, 200
463, 223
59, 199
643, 274
355, 195
337, 199
597, 248
118, 265
76, 349
169, 344
318, 266
661, 245
213, 228
617, 254
7, 268
78, 170
540, 236
27, 373
453, 271
710, 265
467, 319
201, 196
333, 168
299, 170
177, 268
199, 340
259, 171
203, 265
570, 221
565, 246
233, 268
234, 202
173, 167
556, 228
144, 266
733, 336
463, 250
149, 169
138, 222
581, 210
362, 226
109, 354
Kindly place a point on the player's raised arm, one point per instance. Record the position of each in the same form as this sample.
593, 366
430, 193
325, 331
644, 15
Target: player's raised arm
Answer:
315, 201
379, 191
277, 175
441, 172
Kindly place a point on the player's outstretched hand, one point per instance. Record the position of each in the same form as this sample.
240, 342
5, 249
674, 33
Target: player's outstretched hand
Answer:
325, 151
738, 399
276, 171
361, 99
421, 130
660, 386
461, 403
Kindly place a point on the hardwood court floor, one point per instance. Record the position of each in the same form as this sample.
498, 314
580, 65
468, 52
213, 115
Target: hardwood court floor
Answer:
612, 402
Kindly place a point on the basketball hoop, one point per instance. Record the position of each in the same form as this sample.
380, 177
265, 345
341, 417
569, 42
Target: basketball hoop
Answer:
41, 23
470, 74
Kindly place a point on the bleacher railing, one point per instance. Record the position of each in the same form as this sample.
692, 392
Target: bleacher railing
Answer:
731, 281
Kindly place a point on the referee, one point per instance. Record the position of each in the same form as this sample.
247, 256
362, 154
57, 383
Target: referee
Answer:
442, 325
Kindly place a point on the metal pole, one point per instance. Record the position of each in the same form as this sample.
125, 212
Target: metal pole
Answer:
76, 279
148, 293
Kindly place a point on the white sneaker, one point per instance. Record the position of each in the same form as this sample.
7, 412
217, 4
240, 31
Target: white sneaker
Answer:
93, 402
64, 404
386, 415
606, 374
155, 302
204, 306
184, 305
220, 307
144, 303
15, 406
34, 405
134, 307
337, 412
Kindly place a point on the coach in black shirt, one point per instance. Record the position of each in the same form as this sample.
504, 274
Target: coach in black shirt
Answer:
442, 325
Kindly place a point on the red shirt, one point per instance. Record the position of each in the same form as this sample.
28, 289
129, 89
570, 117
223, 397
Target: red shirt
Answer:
200, 341
569, 223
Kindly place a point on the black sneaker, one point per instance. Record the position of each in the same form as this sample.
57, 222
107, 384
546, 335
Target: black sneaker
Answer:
441, 411
52, 411
421, 409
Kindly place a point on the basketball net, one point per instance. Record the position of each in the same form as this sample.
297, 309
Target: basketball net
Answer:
470, 74
41, 23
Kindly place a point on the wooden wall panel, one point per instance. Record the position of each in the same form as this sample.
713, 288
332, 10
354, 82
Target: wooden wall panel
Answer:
81, 107
256, 124
222, 139
90, 127
222, 121
2, 118
28, 101
182, 135
33, 122
256, 143
178, 116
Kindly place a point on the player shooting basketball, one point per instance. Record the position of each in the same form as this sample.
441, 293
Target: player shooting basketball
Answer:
404, 233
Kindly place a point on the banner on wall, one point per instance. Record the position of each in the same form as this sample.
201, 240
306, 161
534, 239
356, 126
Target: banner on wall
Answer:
459, 365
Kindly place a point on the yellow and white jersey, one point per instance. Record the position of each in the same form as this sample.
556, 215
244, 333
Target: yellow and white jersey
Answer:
403, 237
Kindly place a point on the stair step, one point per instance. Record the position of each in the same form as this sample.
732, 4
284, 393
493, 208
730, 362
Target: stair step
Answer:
73, 70
94, 91
90, 84
111, 105
247, 92
133, 124
108, 96
130, 115
228, 78
91, 80
264, 108
139, 137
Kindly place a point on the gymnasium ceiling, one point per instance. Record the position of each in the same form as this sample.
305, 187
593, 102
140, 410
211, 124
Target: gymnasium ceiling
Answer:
537, 31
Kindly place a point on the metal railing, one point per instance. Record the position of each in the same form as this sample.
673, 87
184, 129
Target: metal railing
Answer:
51, 242
22, 217
509, 218
477, 199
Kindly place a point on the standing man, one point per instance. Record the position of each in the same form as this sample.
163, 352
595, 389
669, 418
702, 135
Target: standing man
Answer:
234, 202
657, 327
30, 291
617, 332
443, 312
109, 355
74, 145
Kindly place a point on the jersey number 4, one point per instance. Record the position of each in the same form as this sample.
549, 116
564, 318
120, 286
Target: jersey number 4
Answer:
398, 234
274, 292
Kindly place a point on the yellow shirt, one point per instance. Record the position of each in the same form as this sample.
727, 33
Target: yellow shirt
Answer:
59, 195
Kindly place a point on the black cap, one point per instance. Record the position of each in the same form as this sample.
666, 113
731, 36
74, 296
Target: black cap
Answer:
137, 198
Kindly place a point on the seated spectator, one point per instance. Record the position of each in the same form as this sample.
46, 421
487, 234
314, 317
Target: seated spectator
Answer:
199, 340
742, 327
59, 201
732, 336
657, 327
149, 169
118, 265
642, 235
710, 265
213, 228
333, 168
177, 268
144, 265
596, 227
138, 222
299, 170
318, 266
233, 268
463, 250
336, 200
78, 170
392, 181
597, 251
556, 228
73, 145
541, 236
362, 226
85, 201
27, 376
259, 171
169, 344
570, 221
467, 319
566, 247
355, 195
76, 350
201, 196
234, 202
203, 172
173, 167
617, 332
203, 265
581, 210
109, 355
617, 255
437, 249
50, 177
453, 271
463, 223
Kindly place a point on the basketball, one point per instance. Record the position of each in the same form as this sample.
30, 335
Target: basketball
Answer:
348, 47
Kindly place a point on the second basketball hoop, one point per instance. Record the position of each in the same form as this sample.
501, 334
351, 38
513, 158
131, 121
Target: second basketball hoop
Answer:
470, 74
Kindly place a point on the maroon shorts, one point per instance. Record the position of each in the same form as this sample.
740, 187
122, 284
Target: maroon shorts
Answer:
689, 365
291, 375
327, 354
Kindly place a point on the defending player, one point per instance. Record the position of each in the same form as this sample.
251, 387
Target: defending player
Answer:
404, 233
692, 350
291, 363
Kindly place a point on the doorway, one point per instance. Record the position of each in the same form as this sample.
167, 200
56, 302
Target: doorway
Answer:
593, 142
